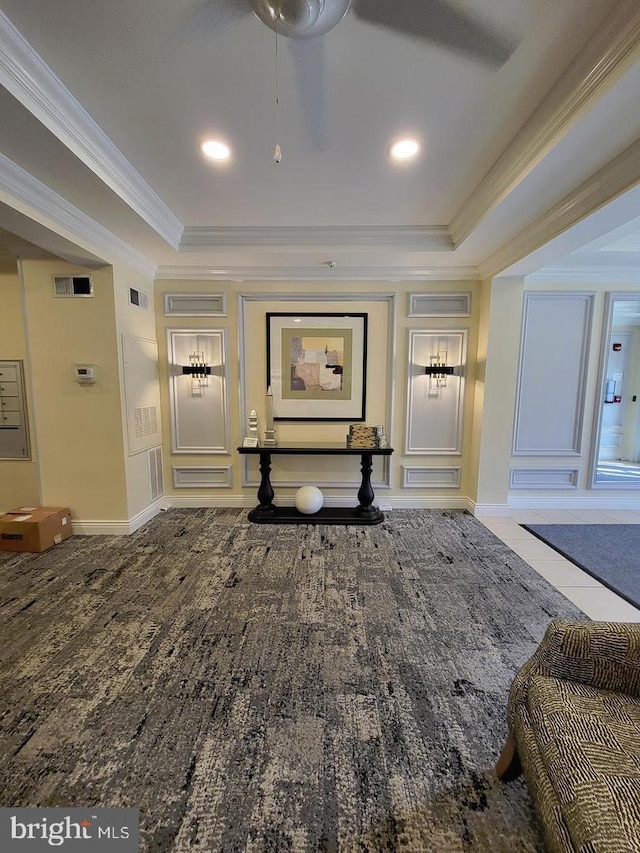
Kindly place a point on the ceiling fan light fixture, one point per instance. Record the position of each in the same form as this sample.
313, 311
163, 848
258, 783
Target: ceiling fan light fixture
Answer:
215, 149
404, 149
300, 18
298, 14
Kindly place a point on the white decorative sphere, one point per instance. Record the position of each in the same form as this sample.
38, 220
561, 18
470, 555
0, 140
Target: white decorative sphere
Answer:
309, 499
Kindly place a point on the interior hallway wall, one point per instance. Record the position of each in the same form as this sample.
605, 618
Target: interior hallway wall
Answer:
391, 322
78, 428
494, 398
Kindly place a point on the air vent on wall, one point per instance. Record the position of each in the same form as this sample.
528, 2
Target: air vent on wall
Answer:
72, 285
138, 298
146, 421
155, 473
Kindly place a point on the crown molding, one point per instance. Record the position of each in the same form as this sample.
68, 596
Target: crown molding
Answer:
32, 82
586, 275
607, 56
431, 238
317, 273
618, 176
34, 197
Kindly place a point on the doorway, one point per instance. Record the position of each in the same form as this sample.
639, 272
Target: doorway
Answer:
617, 457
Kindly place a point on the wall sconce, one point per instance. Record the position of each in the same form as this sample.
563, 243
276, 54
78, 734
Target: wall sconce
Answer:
198, 370
438, 370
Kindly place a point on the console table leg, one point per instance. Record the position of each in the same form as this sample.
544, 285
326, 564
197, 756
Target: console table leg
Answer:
365, 492
265, 490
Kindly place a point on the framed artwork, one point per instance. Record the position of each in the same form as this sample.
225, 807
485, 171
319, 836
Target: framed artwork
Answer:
317, 366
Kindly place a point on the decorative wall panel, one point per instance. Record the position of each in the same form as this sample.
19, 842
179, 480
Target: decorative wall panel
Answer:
543, 478
335, 472
435, 414
440, 477
552, 374
381, 369
195, 304
199, 408
439, 304
194, 477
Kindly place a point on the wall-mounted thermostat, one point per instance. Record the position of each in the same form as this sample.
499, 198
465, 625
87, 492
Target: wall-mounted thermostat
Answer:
85, 374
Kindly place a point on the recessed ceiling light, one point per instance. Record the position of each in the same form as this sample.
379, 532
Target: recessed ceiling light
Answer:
404, 149
215, 149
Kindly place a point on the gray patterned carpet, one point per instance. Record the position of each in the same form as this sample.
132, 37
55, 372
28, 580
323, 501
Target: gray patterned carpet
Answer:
286, 688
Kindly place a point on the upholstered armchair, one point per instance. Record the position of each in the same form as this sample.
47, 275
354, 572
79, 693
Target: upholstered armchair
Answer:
574, 731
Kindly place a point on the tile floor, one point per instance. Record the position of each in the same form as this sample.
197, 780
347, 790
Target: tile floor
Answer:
586, 592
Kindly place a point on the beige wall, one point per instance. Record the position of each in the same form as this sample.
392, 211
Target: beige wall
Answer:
483, 308
80, 452
386, 387
19, 481
78, 429
501, 312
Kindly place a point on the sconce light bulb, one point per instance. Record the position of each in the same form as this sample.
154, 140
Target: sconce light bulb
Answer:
277, 154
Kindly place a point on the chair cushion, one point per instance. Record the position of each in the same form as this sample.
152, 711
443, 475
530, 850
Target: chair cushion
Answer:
589, 740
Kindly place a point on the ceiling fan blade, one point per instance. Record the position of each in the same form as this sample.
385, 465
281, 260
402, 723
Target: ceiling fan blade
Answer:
436, 21
309, 65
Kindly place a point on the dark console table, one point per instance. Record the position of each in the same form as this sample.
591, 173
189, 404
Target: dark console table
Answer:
267, 513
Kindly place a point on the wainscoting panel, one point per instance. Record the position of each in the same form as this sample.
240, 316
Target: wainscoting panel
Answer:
199, 411
552, 374
543, 478
196, 477
434, 415
439, 305
195, 304
440, 477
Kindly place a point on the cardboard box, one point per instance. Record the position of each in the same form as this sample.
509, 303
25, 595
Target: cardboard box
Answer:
34, 528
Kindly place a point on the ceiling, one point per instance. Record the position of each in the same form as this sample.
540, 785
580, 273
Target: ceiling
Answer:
104, 107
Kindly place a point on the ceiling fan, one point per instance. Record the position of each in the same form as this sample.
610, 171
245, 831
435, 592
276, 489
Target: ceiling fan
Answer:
306, 21
437, 21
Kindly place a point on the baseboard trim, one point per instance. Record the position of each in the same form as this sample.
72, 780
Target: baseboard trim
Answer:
91, 527
596, 502
124, 527
386, 503
391, 503
490, 510
147, 514
196, 501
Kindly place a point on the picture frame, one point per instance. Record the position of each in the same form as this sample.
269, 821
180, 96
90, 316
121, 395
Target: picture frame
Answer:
317, 366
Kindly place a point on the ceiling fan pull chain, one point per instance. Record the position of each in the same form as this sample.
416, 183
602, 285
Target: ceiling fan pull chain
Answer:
277, 153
